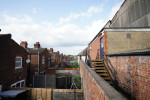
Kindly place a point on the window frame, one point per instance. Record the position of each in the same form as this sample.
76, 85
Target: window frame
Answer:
19, 82
43, 60
18, 61
1, 87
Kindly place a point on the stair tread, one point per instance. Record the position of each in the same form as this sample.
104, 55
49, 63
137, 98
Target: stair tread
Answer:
106, 78
98, 68
97, 60
103, 74
100, 65
101, 71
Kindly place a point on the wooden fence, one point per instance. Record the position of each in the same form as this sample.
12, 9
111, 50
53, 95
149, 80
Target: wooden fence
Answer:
47, 94
69, 69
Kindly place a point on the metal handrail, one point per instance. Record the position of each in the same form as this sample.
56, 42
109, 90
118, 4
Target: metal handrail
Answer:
108, 62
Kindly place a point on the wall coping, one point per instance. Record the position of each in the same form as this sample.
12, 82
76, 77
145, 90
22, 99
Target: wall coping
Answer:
132, 53
110, 92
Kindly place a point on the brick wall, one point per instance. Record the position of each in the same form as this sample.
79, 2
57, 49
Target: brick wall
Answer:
51, 71
34, 62
95, 88
132, 75
94, 50
8, 52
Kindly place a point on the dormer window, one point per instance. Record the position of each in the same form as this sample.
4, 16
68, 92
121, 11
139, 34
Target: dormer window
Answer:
18, 62
43, 60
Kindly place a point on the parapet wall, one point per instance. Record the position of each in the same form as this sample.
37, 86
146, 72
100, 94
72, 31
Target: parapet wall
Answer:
95, 87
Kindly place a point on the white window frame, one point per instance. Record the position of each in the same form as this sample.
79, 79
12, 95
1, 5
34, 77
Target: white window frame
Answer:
14, 85
43, 60
18, 61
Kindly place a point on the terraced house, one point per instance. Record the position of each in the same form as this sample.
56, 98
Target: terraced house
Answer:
13, 61
39, 59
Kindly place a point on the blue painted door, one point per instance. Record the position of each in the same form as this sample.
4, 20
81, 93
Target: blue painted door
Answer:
101, 48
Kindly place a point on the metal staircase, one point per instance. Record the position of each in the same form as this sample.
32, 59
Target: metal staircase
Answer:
99, 67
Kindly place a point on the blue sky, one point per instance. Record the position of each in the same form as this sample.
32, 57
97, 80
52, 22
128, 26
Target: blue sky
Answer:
65, 25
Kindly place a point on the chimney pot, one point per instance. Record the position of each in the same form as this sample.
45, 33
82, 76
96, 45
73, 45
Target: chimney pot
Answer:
24, 44
37, 45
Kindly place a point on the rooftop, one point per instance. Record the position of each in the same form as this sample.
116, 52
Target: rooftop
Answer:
35, 50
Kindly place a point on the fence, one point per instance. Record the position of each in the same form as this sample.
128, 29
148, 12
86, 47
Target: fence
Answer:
42, 81
51, 94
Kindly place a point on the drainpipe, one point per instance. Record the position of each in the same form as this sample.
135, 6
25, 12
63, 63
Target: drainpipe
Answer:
38, 63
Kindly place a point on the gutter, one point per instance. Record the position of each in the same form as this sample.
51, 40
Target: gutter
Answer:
38, 63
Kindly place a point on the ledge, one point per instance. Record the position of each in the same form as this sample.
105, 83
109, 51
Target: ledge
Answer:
110, 92
132, 53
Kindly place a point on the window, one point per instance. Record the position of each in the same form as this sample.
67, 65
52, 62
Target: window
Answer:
19, 84
36, 73
18, 62
0, 88
48, 62
128, 35
22, 84
43, 60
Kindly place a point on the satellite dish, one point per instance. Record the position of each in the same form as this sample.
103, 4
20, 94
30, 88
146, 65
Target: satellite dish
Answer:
28, 61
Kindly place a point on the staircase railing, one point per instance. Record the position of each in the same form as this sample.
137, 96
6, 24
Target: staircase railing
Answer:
110, 70
89, 60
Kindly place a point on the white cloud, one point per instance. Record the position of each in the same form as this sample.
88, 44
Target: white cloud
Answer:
90, 12
94, 9
115, 9
20, 19
68, 38
63, 36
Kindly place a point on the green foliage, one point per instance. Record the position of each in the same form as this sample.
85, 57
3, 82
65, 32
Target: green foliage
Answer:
77, 80
75, 64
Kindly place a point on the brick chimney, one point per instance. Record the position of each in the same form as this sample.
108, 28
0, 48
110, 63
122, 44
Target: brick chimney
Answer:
37, 45
24, 44
51, 50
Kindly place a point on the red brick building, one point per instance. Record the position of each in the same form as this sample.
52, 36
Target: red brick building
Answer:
55, 58
13, 66
39, 59
61, 59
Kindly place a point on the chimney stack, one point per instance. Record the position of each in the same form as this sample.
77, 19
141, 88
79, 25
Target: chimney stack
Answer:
37, 45
51, 50
24, 44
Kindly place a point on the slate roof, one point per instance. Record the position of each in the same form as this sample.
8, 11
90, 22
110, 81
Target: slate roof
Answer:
35, 50
6, 36
84, 52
